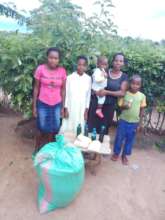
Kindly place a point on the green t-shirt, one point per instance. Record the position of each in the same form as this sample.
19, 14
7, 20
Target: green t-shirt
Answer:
137, 100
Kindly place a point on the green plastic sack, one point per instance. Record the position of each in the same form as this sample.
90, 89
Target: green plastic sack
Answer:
60, 169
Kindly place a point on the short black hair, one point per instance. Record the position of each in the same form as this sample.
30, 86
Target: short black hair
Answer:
101, 58
134, 77
119, 54
53, 49
82, 57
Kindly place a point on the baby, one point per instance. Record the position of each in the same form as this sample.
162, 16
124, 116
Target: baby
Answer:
99, 82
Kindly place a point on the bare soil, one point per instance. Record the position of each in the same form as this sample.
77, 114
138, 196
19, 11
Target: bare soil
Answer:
117, 192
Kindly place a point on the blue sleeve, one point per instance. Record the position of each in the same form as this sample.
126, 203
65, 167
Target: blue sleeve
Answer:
124, 77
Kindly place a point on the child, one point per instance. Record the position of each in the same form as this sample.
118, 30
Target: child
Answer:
78, 93
100, 82
132, 106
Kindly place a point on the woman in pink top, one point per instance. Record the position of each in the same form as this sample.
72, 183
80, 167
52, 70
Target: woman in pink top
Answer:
48, 97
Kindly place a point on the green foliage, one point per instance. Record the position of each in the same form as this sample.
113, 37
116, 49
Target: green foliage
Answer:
161, 145
9, 11
20, 54
148, 60
160, 107
63, 24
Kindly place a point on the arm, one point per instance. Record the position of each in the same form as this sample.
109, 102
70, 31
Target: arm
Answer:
142, 107
123, 105
98, 76
141, 115
66, 113
119, 93
63, 95
88, 98
35, 96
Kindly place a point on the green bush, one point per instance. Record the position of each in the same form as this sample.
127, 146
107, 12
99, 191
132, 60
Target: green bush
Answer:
62, 24
20, 54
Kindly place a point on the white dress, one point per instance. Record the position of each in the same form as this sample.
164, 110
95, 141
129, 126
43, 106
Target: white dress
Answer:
78, 94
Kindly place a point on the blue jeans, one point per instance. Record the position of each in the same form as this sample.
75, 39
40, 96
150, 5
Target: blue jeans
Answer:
125, 135
48, 117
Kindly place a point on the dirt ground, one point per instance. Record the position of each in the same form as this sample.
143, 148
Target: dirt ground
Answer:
117, 192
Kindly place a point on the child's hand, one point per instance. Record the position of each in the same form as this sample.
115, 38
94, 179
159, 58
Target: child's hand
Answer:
105, 74
126, 106
86, 115
66, 113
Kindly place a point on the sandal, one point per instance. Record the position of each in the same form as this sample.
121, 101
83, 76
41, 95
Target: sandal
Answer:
124, 160
115, 157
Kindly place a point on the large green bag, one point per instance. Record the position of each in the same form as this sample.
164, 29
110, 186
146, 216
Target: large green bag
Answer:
60, 169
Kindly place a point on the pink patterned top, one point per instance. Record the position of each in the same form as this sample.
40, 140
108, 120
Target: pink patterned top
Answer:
51, 82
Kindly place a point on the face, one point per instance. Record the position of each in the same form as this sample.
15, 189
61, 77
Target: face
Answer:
118, 62
53, 59
103, 64
135, 85
81, 66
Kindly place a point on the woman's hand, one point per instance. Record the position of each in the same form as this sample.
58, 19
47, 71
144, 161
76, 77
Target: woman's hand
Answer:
101, 93
34, 112
35, 96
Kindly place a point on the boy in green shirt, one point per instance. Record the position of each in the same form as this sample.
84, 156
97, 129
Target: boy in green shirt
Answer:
132, 106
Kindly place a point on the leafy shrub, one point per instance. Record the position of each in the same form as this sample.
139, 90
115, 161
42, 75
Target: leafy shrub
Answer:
161, 145
62, 24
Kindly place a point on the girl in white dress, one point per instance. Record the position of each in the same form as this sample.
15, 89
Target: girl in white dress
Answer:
78, 94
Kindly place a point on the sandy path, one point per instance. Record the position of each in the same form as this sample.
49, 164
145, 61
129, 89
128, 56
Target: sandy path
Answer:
116, 193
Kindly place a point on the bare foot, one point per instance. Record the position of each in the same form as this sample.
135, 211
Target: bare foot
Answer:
99, 113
